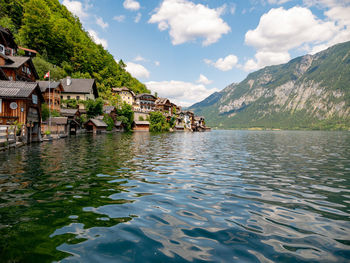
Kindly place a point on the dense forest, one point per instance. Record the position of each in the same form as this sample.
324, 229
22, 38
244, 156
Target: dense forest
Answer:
63, 45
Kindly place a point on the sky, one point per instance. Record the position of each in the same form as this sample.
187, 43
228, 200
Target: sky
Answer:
187, 49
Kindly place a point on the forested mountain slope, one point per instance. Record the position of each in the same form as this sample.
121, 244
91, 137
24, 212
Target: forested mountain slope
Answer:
309, 92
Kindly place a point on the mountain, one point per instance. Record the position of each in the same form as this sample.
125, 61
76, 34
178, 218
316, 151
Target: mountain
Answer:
64, 46
308, 92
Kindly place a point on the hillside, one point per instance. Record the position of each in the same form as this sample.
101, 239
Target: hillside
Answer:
309, 92
49, 28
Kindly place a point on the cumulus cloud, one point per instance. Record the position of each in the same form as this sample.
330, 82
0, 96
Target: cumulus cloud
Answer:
277, 2
139, 58
181, 93
223, 64
101, 23
94, 35
281, 30
187, 21
131, 5
157, 63
137, 70
137, 18
76, 8
119, 18
204, 80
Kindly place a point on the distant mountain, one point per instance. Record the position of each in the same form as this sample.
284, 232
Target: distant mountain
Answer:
309, 92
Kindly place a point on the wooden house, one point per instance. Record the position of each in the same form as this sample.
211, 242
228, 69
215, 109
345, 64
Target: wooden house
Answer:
20, 102
56, 125
164, 105
8, 46
51, 92
140, 126
18, 68
79, 89
96, 126
125, 94
145, 102
119, 126
73, 116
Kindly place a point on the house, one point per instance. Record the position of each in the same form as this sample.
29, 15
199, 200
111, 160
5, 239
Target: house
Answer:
73, 116
29, 52
18, 68
140, 126
119, 126
125, 94
145, 102
188, 119
51, 92
96, 126
56, 125
3, 76
111, 111
8, 46
79, 89
199, 123
21, 102
164, 105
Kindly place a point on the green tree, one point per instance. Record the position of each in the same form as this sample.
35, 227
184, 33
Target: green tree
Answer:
94, 107
126, 115
158, 122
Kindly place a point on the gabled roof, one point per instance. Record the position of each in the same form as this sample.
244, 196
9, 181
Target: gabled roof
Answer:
145, 94
108, 109
123, 89
68, 112
98, 123
10, 41
44, 85
57, 120
162, 101
82, 86
18, 89
17, 61
118, 123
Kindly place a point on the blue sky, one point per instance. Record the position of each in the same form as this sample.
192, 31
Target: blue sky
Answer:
187, 49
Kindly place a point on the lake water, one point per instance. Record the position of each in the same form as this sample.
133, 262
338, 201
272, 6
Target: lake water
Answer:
223, 196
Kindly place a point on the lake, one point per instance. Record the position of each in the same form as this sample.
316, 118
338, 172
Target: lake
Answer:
222, 196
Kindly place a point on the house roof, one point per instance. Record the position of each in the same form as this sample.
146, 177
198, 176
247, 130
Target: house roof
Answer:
145, 94
82, 86
8, 37
141, 122
123, 89
58, 120
17, 89
98, 123
27, 49
44, 85
108, 109
68, 112
162, 101
17, 61
118, 123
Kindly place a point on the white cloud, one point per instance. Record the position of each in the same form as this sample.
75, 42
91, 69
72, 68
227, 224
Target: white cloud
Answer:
157, 63
277, 2
101, 23
223, 64
180, 92
97, 39
204, 80
76, 8
187, 21
137, 70
119, 18
137, 18
139, 58
281, 30
131, 5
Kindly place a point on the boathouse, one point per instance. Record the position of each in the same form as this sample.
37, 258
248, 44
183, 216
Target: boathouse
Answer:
96, 126
140, 126
20, 102
56, 125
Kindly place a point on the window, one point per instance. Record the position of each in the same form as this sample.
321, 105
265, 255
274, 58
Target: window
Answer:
68, 97
61, 97
78, 97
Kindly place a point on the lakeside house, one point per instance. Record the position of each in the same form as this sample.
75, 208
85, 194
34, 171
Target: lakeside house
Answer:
8, 46
127, 95
18, 68
163, 105
79, 89
96, 126
140, 126
56, 125
145, 102
51, 92
20, 102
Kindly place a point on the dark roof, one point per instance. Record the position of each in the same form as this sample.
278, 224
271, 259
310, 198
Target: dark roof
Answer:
108, 109
44, 85
145, 94
17, 61
8, 37
83, 86
123, 89
68, 112
118, 123
141, 122
17, 89
98, 123
58, 120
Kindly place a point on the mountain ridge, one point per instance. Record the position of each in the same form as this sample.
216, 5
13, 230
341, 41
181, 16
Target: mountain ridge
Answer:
308, 92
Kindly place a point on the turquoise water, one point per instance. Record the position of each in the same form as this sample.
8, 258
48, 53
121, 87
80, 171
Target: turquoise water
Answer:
223, 196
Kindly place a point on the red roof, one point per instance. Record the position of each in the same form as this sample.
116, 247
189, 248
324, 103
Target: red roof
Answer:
27, 49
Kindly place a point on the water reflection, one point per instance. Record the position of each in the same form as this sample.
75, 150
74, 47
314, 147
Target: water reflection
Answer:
219, 196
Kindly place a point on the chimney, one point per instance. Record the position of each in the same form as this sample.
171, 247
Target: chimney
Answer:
69, 81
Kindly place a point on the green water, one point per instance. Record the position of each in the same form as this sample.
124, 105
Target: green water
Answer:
223, 196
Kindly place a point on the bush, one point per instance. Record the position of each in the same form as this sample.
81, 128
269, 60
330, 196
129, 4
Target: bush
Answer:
109, 121
158, 122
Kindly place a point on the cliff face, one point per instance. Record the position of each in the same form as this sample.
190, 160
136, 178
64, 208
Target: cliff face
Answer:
312, 91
